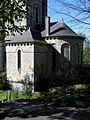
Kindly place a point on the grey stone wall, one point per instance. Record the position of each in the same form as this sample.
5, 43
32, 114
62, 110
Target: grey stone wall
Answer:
15, 75
70, 57
42, 61
35, 61
42, 12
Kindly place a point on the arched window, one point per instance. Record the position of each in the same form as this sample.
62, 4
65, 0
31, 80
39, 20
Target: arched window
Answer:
65, 51
19, 59
43, 10
36, 11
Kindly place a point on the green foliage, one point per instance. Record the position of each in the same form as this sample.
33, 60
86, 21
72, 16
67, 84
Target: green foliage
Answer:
35, 95
84, 74
4, 84
10, 95
11, 12
73, 96
2, 96
18, 96
27, 85
78, 87
86, 56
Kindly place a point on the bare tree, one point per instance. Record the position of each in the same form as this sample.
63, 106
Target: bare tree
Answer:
77, 10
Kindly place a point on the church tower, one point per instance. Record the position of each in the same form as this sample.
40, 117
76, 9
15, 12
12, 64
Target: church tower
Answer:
36, 12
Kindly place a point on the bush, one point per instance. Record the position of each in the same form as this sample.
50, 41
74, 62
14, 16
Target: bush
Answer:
4, 83
84, 74
27, 85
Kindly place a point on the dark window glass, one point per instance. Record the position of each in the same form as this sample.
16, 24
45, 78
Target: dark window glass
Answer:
36, 14
19, 59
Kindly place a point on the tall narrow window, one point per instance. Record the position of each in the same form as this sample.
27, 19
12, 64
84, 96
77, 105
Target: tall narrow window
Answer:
5, 57
43, 10
19, 59
65, 50
36, 14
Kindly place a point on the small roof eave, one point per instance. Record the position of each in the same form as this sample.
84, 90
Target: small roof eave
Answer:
33, 41
65, 36
16, 42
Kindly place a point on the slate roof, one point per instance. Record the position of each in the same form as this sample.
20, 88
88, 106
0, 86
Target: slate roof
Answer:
60, 29
28, 36
41, 27
56, 29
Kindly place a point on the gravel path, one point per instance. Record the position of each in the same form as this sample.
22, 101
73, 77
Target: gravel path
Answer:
41, 111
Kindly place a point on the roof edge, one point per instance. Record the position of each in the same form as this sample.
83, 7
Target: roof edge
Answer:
26, 42
64, 36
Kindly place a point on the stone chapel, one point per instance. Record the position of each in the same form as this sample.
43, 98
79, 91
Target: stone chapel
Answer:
44, 50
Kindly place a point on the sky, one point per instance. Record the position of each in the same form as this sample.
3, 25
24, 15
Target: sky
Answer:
55, 10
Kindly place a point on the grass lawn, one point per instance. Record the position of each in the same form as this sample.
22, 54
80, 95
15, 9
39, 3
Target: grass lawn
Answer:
17, 96
72, 96
2, 96
12, 96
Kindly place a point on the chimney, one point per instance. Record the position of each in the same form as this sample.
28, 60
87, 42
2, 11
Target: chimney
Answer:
47, 25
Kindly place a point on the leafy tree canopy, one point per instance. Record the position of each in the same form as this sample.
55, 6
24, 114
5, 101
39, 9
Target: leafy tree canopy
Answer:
86, 56
11, 12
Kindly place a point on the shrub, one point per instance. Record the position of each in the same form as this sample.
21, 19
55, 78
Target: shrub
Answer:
4, 83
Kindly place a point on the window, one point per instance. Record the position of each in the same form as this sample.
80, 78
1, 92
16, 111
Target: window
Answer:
43, 10
19, 59
65, 50
36, 14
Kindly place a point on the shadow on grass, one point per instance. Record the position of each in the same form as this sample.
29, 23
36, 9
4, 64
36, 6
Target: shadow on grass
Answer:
69, 97
71, 103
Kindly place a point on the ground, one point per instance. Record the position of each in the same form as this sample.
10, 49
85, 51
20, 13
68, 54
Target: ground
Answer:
41, 111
